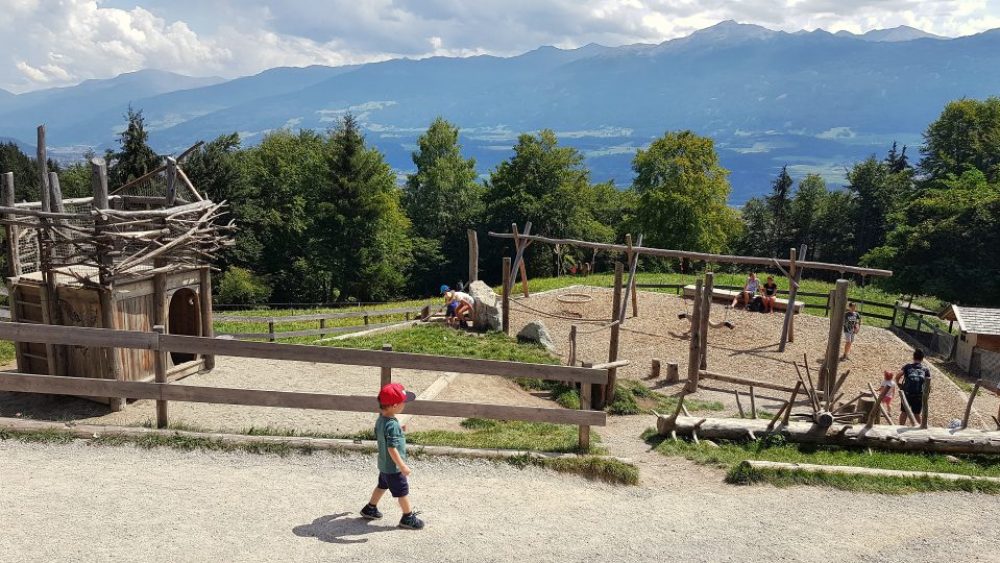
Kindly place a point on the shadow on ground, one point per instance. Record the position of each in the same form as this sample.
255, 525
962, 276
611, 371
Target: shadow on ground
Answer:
337, 528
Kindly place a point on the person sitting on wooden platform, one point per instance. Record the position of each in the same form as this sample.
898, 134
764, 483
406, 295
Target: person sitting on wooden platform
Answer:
770, 294
750, 290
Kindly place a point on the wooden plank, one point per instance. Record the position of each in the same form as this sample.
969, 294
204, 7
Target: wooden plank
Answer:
701, 256
278, 335
349, 356
317, 316
727, 295
61, 385
78, 336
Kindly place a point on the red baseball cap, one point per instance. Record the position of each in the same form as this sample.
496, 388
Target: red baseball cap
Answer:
394, 394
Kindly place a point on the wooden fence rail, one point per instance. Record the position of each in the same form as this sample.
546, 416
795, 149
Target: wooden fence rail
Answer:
272, 321
105, 338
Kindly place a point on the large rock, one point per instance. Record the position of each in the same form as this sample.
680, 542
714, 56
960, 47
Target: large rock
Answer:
536, 332
488, 315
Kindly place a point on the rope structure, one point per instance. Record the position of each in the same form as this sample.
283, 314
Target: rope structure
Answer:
575, 298
650, 334
555, 316
597, 329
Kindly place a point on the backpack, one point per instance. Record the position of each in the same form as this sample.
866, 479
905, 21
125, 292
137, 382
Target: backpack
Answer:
913, 378
756, 305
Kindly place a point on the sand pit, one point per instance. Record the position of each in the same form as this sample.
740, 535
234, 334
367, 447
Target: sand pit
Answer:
749, 350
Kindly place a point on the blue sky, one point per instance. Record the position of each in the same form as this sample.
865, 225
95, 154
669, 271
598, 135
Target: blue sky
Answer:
49, 43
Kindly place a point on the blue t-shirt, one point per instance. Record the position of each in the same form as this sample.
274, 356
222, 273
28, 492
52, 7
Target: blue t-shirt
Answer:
389, 435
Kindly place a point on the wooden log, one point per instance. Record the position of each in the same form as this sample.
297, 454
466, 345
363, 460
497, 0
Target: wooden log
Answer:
473, 255
791, 404
753, 403
386, 374
207, 317
13, 233
745, 381
616, 307
887, 437
101, 209
505, 299
62, 385
877, 408
519, 257
831, 363
654, 368
739, 404
160, 369
706, 312
925, 396
171, 182
633, 262
968, 405
867, 471
571, 359
105, 262
694, 353
701, 256
777, 416
673, 372
42, 162
788, 328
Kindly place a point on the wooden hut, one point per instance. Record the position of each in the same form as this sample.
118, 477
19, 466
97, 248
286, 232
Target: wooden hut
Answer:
978, 347
129, 260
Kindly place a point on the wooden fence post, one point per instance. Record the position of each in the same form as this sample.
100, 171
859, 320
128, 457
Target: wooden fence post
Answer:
386, 370
673, 372
505, 298
608, 393
694, 354
795, 276
160, 367
924, 400
706, 311
654, 368
828, 372
270, 330
473, 255
571, 360
13, 233
585, 400
99, 172
322, 325
207, 315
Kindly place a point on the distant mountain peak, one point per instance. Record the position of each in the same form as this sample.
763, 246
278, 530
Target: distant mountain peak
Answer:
734, 30
896, 34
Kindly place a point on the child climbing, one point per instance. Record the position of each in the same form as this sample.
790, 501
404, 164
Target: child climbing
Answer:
459, 306
890, 384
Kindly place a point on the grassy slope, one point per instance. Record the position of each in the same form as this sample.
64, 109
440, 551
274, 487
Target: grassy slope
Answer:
728, 455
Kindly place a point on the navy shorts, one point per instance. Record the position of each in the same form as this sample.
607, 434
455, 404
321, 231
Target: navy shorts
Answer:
916, 402
395, 482
451, 309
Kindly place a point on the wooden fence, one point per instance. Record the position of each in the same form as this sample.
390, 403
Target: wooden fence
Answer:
825, 307
272, 334
162, 392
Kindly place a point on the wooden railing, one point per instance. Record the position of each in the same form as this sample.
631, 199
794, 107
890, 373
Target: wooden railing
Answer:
272, 323
162, 392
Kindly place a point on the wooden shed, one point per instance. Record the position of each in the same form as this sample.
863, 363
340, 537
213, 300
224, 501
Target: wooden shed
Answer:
132, 259
978, 348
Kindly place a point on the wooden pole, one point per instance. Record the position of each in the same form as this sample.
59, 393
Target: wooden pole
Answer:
925, 396
753, 403
160, 366
739, 403
706, 311
505, 299
694, 353
795, 275
43, 168
968, 406
521, 246
616, 309
207, 315
571, 360
473, 255
654, 368
831, 364
13, 233
673, 373
629, 288
386, 375
99, 172
171, 182
585, 404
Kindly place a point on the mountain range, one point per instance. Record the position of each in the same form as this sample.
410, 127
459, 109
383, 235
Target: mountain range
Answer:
816, 101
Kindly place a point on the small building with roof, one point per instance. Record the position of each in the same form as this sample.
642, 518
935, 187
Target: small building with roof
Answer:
978, 349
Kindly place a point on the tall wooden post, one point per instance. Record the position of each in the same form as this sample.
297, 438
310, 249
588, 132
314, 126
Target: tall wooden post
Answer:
794, 276
519, 257
473, 255
608, 394
706, 311
13, 233
571, 360
43, 168
505, 298
160, 368
386, 372
99, 171
831, 362
585, 404
171, 196
633, 261
59, 352
207, 316
694, 353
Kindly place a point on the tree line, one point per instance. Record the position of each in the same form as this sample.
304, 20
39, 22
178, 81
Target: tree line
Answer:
323, 217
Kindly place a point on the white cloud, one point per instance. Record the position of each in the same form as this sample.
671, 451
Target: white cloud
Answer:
60, 42
837, 133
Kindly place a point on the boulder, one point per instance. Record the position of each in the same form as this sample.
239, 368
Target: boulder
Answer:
487, 313
535, 331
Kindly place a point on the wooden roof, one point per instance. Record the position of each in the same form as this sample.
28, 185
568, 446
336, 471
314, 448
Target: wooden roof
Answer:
976, 320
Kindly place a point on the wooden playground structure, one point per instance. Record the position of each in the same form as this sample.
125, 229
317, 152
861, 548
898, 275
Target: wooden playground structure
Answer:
828, 417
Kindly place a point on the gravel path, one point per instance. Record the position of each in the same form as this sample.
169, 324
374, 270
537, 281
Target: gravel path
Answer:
90, 503
749, 350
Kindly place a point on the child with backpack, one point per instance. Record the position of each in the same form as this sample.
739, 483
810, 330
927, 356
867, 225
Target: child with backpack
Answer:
912, 379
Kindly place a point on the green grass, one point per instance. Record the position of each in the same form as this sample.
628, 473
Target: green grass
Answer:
6, 351
631, 397
443, 341
608, 470
729, 455
505, 435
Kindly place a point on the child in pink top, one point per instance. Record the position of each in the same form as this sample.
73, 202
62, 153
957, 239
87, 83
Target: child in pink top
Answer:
891, 393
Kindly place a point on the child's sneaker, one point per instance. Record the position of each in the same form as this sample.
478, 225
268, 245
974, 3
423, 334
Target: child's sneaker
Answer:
411, 522
370, 512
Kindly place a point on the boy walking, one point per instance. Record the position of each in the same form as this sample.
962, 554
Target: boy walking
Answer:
852, 325
911, 380
392, 467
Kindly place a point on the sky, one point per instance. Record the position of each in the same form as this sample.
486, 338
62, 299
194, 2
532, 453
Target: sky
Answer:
51, 43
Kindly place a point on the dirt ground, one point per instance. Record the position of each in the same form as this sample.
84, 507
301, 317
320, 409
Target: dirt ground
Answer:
90, 503
750, 349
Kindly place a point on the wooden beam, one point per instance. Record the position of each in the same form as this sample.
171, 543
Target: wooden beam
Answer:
694, 353
866, 471
706, 311
207, 320
633, 263
703, 257
519, 257
473, 255
831, 363
83, 386
608, 392
745, 381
